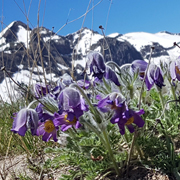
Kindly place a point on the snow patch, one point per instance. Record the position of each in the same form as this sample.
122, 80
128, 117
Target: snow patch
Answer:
2, 48
82, 62
113, 35
86, 41
140, 39
4, 30
23, 35
62, 66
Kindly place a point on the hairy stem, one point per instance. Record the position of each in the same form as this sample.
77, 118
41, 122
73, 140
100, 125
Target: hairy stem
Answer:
111, 152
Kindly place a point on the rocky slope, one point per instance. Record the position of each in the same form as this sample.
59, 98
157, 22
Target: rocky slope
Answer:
29, 53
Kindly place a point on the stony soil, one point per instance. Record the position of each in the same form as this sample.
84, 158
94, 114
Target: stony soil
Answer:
11, 168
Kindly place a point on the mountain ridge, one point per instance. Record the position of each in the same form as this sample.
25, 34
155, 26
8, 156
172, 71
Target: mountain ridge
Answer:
19, 47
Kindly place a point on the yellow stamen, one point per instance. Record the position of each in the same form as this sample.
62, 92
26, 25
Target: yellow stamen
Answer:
177, 70
73, 122
49, 126
130, 121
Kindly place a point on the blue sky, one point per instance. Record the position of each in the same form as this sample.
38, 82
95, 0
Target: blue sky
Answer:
124, 16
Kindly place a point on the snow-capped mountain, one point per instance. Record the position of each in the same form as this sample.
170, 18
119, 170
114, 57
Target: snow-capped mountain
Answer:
31, 55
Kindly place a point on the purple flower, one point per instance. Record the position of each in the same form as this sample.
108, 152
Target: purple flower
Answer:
85, 84
41, 90
65, 121
128, 118
72, 103
48, 129
64, 81
175, 69
154, 75
122, 115
111, 75
95, 64
139, 65
25, 119
114, 101
41, 114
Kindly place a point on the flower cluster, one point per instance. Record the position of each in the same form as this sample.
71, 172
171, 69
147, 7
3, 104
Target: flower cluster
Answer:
123, 116
68, 106
60, 107
108, 101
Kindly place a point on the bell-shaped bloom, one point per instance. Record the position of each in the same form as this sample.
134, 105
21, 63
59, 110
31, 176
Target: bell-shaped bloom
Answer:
113, 102
175, 69
140, 66
95, 64
65, 121
154, 75
25, 119
43, 116
41, 90
48, 129
85, 84
71, 102
130, 117
111, 75
64, 81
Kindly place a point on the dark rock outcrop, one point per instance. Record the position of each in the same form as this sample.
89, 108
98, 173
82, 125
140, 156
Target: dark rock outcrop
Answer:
51, 51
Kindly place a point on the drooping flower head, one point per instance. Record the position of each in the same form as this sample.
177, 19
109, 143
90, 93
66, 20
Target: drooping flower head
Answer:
175, 69
130, 117
85, 84
95, 64
113, 101
154, 75
64, 81
41, 90
140, 66
42, 114
111, 75
71, 102
25, 119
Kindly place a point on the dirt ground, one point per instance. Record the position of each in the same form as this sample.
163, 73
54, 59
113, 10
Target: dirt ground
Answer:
12, 168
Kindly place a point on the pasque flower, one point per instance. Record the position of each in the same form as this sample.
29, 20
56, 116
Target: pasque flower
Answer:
111, 75
175, 69
66, 122
64, 81
41, 90
48, 129
71, 103
25, 119
95, 64
154, 75
113, 102
140, 66
43, 116
85, 84
122, 115
128, 118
